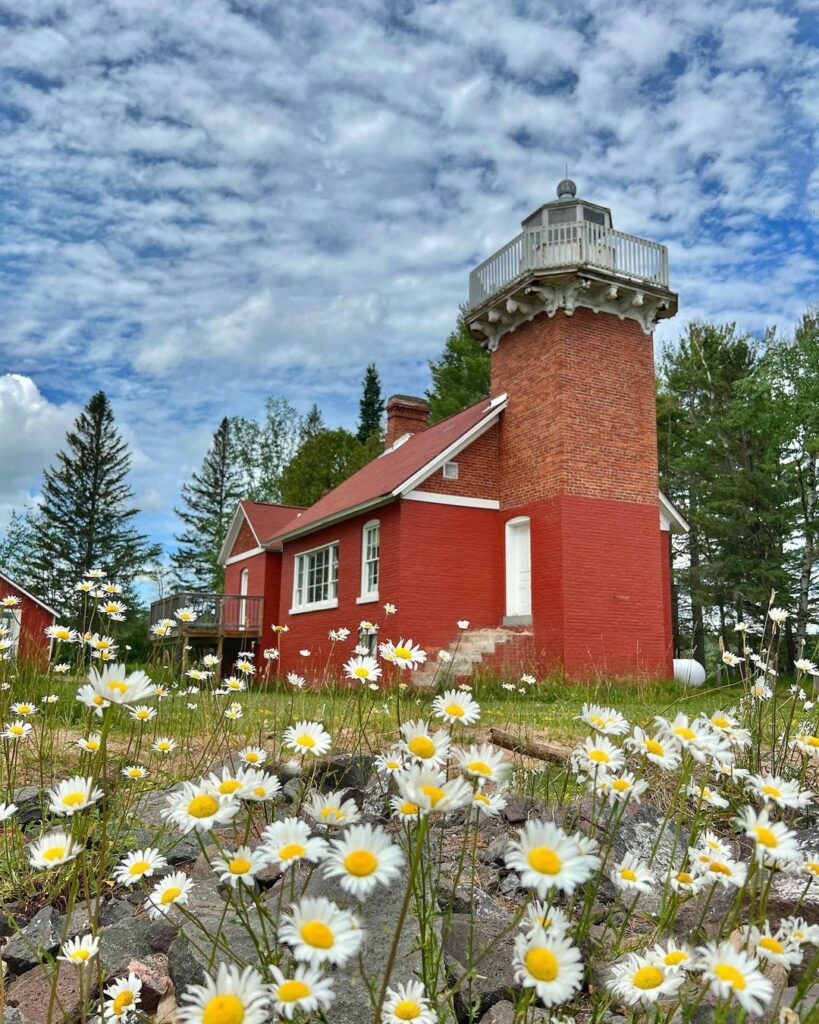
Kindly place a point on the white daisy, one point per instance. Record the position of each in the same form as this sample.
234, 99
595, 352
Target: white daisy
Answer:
79, 950
364, 669
361, 858
134, 771
303, 990
52, 850
429, 747
164, 745
404, 654
550, 964
641, 979
597, 754
173, 889
319, 931
18, 730
488, 803
139, 864
607, 721
241, 866
407, 1002
90, 744
73, 795
287, 841
234, 996
116, 685
253, 756
307, 738
773, 840
483, 761
331, 809
390, 762
142, 713
777, 947
122, 998
541, 915
455, 707
732, 973
195, 807
631, 875
546, 858
782, 792
429, 789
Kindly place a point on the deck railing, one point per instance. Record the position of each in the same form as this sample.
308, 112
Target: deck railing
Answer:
577, 245
215, 613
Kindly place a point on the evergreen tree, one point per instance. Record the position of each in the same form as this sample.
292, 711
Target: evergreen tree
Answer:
85, 518
17, 546
323, 462
209, 504
371, 406
460, 377
312, 424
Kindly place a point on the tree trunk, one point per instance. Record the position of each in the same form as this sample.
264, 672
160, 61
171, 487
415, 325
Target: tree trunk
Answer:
809, 498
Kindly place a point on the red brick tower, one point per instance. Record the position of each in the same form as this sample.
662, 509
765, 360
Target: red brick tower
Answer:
567, 310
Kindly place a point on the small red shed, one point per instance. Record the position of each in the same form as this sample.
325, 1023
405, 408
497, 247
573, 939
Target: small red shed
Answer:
24, 619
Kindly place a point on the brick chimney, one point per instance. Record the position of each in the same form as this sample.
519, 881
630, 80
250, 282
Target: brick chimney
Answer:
406, 414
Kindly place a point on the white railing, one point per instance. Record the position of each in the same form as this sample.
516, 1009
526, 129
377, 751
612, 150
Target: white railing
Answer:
569, 245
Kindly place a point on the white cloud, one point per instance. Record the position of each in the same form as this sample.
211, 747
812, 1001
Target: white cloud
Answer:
219, 200
32, 429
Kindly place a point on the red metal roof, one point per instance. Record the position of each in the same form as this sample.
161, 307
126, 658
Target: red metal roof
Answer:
266, 520
381, 477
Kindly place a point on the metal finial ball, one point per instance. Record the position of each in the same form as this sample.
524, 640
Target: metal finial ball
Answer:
566, 189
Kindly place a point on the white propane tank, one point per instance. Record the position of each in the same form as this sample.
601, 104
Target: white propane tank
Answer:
689, 671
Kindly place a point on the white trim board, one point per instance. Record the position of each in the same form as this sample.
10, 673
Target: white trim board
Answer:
245, 554
451, 499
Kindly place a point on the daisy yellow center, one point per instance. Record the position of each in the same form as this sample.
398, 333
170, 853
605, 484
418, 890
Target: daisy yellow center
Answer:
720, 722
544, 860
628, 875
292, 991
731, 976
719, 868
407, 807
675, 957
317, 934
766, 837
98, 700
135, 773
118, 686
599, 756
541, 964
685, 734
360, 863
403, 652
291, 851
139, 867
621, 785
393, 765
143, 714
306, 741
25, 709
173, 892
812, 866
407, 1010
121, 1001
54, 853
422, 746
685, 878
598, 721
203, 806
239, 866
454, 710
259, 791
16, 730
434, 793
163, 745
79, 955
771, 944
92, 745
252, 758
229, 786
771, 791
361, 672
332, 812
74, 799
812, 741
224, 1009
479, 768
481, 798
648, 977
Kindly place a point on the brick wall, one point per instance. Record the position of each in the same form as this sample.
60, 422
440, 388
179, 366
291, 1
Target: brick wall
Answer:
580, 417
245, 540
477, 470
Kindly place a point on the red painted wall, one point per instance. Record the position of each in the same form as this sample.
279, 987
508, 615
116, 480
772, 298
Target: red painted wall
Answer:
34, 645
264, 578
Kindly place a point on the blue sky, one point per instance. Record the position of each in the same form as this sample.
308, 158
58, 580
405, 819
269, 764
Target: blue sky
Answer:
205, 203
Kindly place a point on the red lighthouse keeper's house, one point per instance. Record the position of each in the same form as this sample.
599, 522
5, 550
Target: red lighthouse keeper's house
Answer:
535, 514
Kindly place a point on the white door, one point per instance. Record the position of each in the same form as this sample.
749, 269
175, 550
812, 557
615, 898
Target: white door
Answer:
518, 568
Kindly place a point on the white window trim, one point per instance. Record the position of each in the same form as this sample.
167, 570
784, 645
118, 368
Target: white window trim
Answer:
315, 606
243, 555
450, 470
451, 499
368, 596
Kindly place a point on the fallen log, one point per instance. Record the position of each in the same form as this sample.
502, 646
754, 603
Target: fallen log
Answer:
529, 748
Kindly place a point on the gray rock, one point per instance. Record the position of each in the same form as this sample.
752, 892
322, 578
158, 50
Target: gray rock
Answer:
13, 1015
808, 1003
639, 833
292, 790
126, 940
29, 805
463, 898
193, 952
495, 852
519, 809
786, 890
344, 771
40, 936
475, 945
176, 847
503, 1012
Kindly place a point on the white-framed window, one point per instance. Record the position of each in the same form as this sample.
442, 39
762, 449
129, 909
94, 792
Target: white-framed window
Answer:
315, 579
450, 471
370, 555
11, 619
244, 580
368, 637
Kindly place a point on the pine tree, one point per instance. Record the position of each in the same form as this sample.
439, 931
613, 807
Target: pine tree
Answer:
264, 448
371, 406
209, 504
17, 547
312, 424
85, 518
460, 377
